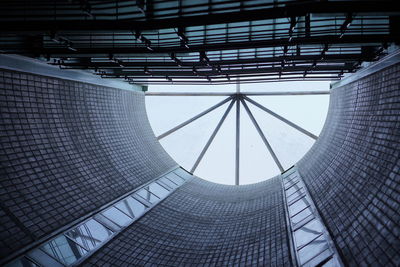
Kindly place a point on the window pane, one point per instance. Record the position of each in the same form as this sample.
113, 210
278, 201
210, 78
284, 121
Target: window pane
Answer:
312, 249
131, 206
44, 259
291, 183
182, 177
302, 215
308, 232
175, 178
158, 190
298, 206
145, 194
292, 190
316, 261
182, 173
89, 234
22, 262
63, 250
295, 195
117, 216
168, 182
288, 181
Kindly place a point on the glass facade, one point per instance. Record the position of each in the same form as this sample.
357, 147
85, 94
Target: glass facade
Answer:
310, 240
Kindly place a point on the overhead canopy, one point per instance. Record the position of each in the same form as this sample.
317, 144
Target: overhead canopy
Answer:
200, 41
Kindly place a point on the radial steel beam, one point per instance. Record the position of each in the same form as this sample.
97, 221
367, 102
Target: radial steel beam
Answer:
194, 118
262, 136
237, 151
298, 128
231, 94
203, 152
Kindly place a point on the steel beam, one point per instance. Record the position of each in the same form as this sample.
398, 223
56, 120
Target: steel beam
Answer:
298, 128
336, 58
184, 73
244, 93
194, 118
329, 78
203, 152
218, 78
130, 50
262, 136
290, 9
237, 150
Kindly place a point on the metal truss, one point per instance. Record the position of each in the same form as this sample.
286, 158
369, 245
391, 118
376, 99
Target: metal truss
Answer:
202, 42
239, 99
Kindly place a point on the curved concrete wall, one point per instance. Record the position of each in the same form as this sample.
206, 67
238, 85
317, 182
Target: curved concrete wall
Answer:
353, 171
67, 148
202, 224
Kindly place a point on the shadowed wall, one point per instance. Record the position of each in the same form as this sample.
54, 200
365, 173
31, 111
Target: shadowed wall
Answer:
68, 148
203, 223
353, 171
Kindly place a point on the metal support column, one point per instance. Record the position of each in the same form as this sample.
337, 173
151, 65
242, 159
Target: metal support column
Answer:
237, 160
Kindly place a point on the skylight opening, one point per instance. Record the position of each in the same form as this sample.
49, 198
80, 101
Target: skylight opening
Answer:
278, 124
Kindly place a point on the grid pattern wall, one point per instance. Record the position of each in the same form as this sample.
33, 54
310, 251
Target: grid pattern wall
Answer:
353, 171
206, 224
68, 148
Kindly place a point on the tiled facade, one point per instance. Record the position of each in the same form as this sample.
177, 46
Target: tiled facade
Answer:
202, 224
353, 171
67, 148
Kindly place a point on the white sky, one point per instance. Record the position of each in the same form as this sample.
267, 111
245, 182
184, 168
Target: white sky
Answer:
256, 164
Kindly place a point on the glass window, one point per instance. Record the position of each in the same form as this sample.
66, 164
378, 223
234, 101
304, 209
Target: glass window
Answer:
89, 234
158, 190
293, 189
301, 216
298, 205
175, 178
308, 232
64, 250
22, 262
147, 195
319, 258
313, 249
182, 173
44, 259
331, 263
168, 182
131, 207
117, 216
295, 195
290, 180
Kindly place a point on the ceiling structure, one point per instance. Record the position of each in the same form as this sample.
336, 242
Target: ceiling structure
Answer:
202, 41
